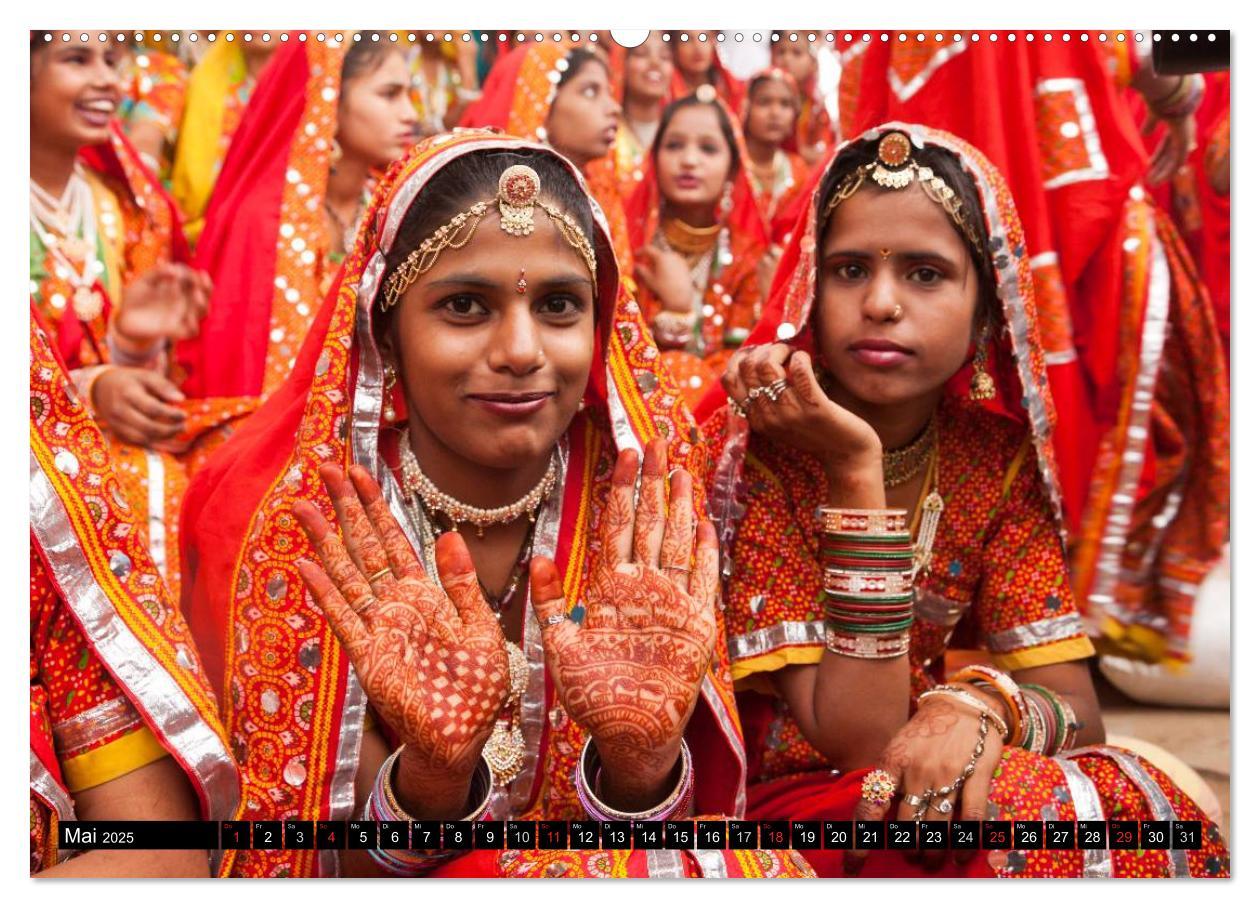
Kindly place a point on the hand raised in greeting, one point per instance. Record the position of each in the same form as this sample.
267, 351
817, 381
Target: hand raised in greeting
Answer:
630, 673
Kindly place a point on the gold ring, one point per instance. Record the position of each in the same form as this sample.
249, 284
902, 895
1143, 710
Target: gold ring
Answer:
359, 606
383, 572
878, 787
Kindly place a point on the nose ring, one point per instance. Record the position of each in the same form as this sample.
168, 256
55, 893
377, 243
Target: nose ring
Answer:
897, 312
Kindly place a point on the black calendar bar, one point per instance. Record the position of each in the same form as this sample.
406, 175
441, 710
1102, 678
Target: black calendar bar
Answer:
1028, 835
167, 835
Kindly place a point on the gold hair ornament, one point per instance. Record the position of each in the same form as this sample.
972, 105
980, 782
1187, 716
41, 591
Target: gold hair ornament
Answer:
517, 197
895, 168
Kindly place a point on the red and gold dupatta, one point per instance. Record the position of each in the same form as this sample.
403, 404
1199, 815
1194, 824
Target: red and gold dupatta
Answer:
293, 707
87, 536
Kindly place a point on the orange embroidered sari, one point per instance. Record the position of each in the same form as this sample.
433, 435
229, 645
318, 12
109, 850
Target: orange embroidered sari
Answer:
115, 679
998, 574
293, 708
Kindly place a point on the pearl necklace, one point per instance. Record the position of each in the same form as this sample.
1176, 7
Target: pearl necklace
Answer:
435, 500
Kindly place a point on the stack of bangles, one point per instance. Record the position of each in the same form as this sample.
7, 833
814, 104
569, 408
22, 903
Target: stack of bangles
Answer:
382, 805
1183, 100
676, 806
1040, 720
868, 568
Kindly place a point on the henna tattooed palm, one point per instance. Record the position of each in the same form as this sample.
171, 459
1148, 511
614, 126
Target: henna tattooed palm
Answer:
630, 674
431, 657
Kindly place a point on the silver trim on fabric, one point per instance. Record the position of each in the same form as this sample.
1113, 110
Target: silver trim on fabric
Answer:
733, 740
157, 510
1160, 807
665, 865
1036, 633
1123, 501
786, 633
1088, 807
534, 700
173, 717
102, 721
712, 864
623, 434
50, 792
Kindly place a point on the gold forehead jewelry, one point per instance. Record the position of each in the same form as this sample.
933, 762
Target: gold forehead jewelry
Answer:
885, 254
517, 197
894, 168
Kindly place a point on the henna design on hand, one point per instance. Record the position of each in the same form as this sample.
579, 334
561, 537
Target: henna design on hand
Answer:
632, 679
431, 657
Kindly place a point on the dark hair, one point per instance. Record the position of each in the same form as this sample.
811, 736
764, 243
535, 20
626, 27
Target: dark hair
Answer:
363, 57
946, 165
757, 81
577, 58
728, 130
474, 178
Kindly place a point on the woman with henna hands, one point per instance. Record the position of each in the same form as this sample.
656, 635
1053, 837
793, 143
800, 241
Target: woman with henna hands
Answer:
469, 408
886, 479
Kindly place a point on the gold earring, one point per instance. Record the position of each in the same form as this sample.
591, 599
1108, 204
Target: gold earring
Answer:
391, 379
982, 386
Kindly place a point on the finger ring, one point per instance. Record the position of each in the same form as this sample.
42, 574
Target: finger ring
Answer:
676, 567
944, 807
359, 606
554, 619
383, 572
737, 407
775, 389
878, 787
913, 800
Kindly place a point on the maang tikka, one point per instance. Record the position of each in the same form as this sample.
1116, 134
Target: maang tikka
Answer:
518, 196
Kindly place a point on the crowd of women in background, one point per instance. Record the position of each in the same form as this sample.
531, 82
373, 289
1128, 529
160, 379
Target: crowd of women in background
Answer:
969, 303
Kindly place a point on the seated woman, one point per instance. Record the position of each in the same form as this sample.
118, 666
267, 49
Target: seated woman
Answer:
647, 72
778, 175
482, 367
123, 724
284, 212
561, 94
906, 397
699, 241
697, 62
107, 276
812, 132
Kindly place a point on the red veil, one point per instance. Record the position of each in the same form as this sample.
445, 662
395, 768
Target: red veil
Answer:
265, 242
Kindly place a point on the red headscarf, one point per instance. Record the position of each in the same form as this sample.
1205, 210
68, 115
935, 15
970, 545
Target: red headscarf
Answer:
246, 602
266, 240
